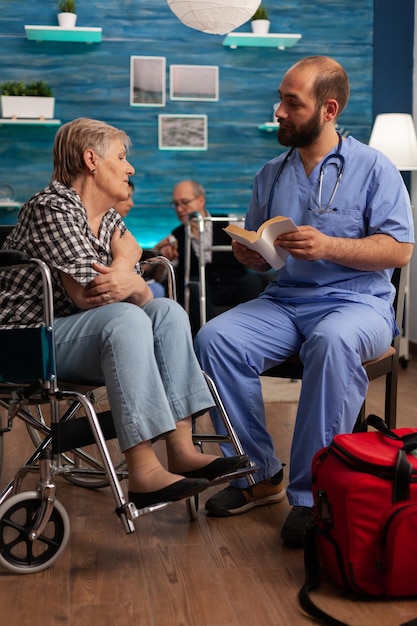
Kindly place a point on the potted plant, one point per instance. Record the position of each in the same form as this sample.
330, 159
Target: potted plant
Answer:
67, 17
259, 20
29, 101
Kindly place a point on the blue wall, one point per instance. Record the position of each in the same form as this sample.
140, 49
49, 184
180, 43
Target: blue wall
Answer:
93, 81
393, 55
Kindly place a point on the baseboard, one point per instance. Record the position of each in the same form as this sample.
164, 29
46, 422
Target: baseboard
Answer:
412, 347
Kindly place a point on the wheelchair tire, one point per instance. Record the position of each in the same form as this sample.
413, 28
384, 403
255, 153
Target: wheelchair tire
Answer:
192, 506
74, 460
17, 552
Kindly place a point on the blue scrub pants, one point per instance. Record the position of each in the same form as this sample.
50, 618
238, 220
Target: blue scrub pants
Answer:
333, 339
146, 359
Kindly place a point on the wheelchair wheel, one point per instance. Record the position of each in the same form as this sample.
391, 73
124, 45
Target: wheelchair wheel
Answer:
89, 458
17, 552
37, 436
1, 452
3, 418
86, 459
192, 506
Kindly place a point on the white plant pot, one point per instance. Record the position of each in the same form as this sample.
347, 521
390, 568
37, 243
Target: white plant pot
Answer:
67, 20
27, 107
260, 27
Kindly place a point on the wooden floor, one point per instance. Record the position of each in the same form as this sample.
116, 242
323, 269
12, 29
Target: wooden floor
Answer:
173, 571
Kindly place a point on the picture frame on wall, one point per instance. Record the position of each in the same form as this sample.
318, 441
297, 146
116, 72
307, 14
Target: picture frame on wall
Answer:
147, 81
182, 132
194, 82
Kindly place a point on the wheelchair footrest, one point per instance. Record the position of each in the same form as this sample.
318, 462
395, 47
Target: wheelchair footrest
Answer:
76, 433
210, 438
240, 473
130, 511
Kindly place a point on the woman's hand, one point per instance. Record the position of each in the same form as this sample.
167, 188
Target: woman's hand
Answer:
125, 250
111, 285
116, 285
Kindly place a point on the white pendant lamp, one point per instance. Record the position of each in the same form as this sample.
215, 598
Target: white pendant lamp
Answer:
394, 135
217, 17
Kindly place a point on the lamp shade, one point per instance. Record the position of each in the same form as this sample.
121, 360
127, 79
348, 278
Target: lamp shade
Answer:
394, 135
214, 16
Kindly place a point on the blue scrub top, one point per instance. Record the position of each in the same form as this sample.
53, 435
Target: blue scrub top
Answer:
371, 199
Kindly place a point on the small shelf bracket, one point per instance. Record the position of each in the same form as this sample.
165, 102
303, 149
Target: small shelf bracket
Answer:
23, 121
275, 40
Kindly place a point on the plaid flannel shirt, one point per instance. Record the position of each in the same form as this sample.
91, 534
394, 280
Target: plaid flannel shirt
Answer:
53, 226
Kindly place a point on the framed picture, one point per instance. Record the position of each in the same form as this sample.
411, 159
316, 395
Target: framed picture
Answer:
182, 132
147, 81
194, 82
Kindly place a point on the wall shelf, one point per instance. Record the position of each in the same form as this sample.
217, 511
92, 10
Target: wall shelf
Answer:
268, 126
57, 33
28, 122
9, 205
276, 40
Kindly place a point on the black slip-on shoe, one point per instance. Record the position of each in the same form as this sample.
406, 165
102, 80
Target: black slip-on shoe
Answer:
185, 488
218, 467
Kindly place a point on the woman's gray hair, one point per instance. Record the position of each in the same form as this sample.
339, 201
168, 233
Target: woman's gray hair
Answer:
73, 138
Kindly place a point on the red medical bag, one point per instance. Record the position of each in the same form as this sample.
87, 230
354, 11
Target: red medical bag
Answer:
364, 533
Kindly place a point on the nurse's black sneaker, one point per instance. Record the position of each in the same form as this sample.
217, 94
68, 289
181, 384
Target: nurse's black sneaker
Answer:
233, 501
295, 525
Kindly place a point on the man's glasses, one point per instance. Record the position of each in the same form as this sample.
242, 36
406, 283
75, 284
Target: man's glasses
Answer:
183, 203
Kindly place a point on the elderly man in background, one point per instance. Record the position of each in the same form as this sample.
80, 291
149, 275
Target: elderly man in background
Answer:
228, 282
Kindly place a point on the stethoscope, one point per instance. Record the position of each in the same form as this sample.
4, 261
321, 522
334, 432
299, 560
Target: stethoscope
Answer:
331, 157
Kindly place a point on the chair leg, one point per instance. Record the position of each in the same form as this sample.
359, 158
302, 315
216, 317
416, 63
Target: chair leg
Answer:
360, 419
391, 397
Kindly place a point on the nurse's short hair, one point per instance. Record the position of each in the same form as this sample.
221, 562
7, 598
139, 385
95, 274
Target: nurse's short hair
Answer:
331, 80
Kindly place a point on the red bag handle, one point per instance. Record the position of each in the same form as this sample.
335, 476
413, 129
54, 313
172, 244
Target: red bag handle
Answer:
409, 441
403, 468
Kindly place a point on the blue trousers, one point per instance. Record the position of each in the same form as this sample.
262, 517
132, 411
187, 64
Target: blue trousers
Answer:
146, 359
333, 339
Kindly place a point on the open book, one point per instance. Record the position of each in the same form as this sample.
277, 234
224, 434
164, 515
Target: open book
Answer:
262, 240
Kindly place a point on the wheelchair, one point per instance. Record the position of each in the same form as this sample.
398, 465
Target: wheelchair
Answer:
76, 441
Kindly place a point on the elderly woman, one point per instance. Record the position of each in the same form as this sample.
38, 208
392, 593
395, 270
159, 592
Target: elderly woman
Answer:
108, 327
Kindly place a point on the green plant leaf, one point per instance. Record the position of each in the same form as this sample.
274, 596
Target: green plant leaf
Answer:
19, 88
260, 13
66, 6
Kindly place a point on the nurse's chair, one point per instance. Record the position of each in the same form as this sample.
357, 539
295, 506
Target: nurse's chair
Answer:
385, 365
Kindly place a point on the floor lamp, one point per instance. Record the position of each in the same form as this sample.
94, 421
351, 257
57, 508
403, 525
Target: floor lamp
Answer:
394, 135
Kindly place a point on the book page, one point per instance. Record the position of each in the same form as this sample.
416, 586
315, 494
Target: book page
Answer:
271, 229
241, 234
274, 255
273, 220
262, 241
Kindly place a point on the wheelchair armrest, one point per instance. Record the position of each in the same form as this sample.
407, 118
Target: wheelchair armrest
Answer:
153, 257
10, 258
13, 257
149, 254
